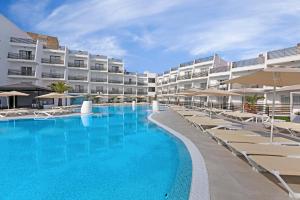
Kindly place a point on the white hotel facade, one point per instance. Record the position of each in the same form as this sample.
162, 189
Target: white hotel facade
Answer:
39, 59
210, 71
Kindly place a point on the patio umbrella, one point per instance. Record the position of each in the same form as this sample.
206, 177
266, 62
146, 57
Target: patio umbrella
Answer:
276, 77
14, 94
55, 95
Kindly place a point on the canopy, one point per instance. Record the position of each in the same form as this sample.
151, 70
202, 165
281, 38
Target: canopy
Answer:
12, 94
54, 95
276, 77
210, 92
289, 88
250, 90
23, 86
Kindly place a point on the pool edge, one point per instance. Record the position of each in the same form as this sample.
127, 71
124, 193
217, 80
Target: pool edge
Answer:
199, 186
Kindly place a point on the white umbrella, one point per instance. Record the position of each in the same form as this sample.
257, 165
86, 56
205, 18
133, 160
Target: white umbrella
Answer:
275, 76
14, 94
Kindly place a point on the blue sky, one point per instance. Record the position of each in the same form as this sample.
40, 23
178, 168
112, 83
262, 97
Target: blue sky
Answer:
159, 34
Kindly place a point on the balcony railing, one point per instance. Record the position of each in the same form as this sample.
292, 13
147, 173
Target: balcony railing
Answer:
52, 75
186, 64
82, 90
142, 92
283, 52
184, 77
115, 71
52, 61
101, 80
129, 92
174, 69
98, 68
22, 40
130, 73
98, 57
95, 91
130, 82
115, 92
78, 52
115, 60
142, 83
206, 59
77, 65
115, 81
172, 80
249, 62
20, 56
200, 74
62, 48
219, 69
77, 78
20, 72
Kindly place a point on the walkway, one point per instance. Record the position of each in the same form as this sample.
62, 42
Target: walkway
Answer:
230, 178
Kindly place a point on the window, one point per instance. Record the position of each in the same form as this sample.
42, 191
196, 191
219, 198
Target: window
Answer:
285, 99
25, 54
26, 71
79, 63
151, 80
151, 89
54, 59
296, 99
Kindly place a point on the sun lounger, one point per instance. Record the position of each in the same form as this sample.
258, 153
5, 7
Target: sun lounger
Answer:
255, 139
204, 123
185, 113
265, 149
14, 112
290, 127
280, 167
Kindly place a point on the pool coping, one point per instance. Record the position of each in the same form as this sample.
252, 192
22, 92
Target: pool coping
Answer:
199, 186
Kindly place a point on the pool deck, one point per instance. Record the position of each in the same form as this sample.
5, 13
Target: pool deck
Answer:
229, 177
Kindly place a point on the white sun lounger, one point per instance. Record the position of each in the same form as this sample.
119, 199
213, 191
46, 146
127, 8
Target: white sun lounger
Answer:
280, 167
50, 112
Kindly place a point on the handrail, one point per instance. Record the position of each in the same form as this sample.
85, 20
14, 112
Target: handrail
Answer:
22, 40
283, 52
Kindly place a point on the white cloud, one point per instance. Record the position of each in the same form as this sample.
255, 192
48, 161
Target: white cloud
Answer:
29, 11
105, 45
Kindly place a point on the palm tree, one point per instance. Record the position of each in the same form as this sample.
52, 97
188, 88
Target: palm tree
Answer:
252, 101
59, 87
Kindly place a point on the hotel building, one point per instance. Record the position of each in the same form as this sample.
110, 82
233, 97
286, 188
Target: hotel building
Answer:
209, 72
40, 60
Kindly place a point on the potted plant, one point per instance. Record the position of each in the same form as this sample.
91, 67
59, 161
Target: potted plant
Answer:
59, 87
251, 101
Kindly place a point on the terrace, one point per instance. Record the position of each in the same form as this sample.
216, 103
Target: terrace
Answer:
19, 72
283, 52
19, 56
249, 62
22, 40
53, 75
220, 69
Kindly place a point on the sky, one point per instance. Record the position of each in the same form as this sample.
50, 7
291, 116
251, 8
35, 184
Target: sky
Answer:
159, 34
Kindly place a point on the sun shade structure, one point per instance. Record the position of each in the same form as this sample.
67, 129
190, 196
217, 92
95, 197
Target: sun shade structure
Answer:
12, 94
275, 76
54, 95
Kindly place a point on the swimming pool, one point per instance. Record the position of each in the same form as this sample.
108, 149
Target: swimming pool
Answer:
113, 154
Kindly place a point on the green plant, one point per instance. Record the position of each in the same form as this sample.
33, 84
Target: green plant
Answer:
59, 87
251, 102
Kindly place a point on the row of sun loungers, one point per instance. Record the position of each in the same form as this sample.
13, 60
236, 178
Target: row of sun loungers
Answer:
281, 158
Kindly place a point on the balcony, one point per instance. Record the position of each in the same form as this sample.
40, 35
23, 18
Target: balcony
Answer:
53, 75
200, 74
98, 68
77, 78
17, 72
219, 69
78, 52
129, 92
115, 71
52, 61
115, 92
174, 69
248, 62
283, 52
102, 57
184, 77
130, 73
142, 92
60, 48
186, 64
96, 91
206, 59
20, 56
115, 81
76, 65
130, 82
78, 90
142, 83
115, 60
98, 80
22, 40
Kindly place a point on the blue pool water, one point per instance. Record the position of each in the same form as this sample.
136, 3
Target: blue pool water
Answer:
114, 155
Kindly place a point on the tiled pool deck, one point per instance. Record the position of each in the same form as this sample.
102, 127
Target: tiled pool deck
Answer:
229, 177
